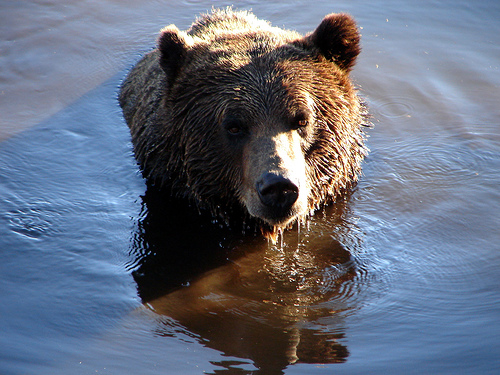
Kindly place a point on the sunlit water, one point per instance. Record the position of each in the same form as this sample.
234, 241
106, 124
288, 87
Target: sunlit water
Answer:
98, 276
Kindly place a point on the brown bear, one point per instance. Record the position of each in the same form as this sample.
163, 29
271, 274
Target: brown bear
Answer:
249, 120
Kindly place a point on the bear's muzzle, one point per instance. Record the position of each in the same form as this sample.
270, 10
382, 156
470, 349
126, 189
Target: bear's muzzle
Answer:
275, 188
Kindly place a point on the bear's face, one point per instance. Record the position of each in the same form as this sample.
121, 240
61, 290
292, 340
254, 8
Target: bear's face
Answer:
268, 125
267, 121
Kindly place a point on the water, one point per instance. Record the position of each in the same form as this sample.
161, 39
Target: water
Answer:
401, 277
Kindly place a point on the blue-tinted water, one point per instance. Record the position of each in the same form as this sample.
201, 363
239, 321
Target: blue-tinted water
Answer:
99, 277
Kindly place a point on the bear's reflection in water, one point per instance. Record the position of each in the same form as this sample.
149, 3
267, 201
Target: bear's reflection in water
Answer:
239, 294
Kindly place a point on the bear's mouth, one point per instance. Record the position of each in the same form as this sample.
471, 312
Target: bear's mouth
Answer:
274, 223
280, 220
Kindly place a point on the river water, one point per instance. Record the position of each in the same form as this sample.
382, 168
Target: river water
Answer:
400, 277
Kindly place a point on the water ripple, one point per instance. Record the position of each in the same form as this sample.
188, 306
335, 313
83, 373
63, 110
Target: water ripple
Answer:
34, 221
393, 107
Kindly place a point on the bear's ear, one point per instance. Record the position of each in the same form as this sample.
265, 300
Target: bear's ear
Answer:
173, 45
337, 38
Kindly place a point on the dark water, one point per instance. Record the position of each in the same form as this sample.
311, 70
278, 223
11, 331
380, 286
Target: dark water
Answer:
400, 277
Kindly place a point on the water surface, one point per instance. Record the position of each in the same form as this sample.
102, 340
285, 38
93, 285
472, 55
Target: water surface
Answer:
99, 275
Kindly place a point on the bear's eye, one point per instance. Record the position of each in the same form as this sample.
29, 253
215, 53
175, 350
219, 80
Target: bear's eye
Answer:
300, 123
234, 130
234, 126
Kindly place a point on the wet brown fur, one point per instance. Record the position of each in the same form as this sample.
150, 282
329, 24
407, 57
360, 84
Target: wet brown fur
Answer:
177, 99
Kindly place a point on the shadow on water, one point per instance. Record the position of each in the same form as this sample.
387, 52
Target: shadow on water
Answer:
244, 297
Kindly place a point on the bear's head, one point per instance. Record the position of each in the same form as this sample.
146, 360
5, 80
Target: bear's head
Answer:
259, 118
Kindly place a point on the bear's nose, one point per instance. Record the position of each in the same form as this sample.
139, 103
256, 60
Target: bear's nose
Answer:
276, 191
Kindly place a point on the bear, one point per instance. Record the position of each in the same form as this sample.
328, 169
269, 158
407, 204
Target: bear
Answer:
249, 121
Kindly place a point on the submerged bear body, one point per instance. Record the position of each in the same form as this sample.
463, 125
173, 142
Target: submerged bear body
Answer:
246, 119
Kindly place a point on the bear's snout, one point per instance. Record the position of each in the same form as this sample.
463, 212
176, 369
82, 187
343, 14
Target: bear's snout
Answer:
277, 192
275, 189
